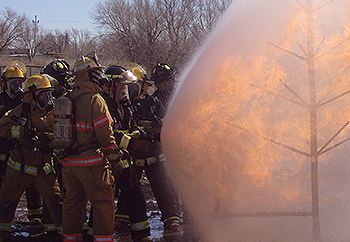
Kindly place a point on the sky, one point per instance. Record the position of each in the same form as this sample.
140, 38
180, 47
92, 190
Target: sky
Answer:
52, 15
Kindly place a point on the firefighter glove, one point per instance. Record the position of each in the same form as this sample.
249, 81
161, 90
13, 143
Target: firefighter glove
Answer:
117, 167
107, 177
135, 134
115, 160
117, 155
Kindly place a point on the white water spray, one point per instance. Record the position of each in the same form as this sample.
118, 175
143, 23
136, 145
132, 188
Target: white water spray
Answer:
237, 134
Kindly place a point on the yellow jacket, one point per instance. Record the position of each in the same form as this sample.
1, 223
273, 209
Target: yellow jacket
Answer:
93, 124
35, 155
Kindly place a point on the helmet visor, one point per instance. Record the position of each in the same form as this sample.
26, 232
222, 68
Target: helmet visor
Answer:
126, 77
120, 92
44, 100
134, 90
14, 87
166, 87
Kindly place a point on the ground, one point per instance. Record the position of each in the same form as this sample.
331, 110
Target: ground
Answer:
20, 228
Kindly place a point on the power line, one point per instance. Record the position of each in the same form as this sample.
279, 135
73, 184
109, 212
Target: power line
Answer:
62, 21
65, 19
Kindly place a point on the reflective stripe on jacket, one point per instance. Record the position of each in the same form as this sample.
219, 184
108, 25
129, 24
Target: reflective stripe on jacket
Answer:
31, 170
32, 157
93, 124
150, 160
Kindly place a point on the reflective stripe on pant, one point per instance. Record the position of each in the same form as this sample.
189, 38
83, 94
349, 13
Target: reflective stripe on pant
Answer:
34, 203
73, 237
163, 189
133, 203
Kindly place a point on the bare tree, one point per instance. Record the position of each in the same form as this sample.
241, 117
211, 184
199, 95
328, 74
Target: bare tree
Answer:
142, 31
116, 28
69, 44
80, 42
147, 31
56, 43
177, 16
11, 27
148, 27
207, 14
32, 39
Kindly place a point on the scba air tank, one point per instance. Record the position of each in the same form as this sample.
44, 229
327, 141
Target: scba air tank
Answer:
63, 123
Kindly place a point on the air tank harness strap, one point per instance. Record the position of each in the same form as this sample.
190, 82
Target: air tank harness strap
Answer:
88, 145
25, 118
79, 149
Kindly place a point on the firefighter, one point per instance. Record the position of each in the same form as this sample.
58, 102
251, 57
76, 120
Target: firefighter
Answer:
163, 77
11, 83
131, 194
59, 69
11, 96
86, 168
58, 74
148, 154
29, 163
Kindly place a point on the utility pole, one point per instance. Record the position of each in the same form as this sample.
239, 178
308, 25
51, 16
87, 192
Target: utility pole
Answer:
35, 22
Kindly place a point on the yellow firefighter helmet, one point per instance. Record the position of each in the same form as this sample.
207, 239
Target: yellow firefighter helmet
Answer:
38, 88
36, 82
12, 72
139, 72
11, 81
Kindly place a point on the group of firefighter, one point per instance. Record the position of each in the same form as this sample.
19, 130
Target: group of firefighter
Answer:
94, 154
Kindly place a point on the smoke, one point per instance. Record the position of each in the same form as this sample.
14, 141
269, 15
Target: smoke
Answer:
237, 133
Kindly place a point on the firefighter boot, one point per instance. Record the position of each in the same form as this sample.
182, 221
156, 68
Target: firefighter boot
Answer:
122, 225
36, 228
172, 228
